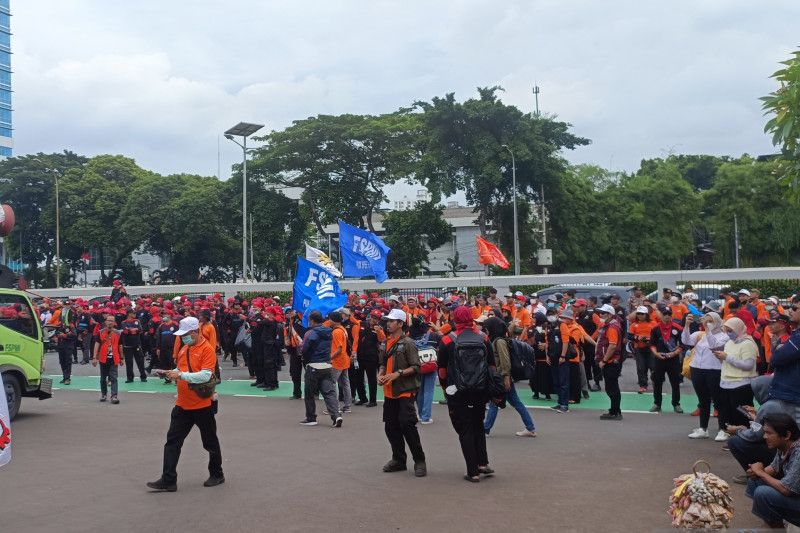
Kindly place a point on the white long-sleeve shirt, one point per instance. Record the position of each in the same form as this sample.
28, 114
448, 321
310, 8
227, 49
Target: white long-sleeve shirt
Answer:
704, 358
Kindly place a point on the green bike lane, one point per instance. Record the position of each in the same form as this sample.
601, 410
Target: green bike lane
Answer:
632, 402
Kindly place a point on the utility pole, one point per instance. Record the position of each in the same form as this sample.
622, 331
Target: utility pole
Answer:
736, 238
544, 224
58, 237
536, 95
252, 263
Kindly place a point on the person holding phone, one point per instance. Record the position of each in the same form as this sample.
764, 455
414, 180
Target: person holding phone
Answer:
706, 367
738, 358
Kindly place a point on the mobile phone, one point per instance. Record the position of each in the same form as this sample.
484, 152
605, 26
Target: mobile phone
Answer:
159, 371
745, 412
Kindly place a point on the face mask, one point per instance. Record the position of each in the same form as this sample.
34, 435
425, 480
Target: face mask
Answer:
552, 319
770, 307
518, 306
187, 340
165, 319
732, 335
362, 302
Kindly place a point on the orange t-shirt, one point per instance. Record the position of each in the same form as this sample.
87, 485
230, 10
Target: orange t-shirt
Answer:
641, 329
387, 389
203, 358
678, 311
575, 332
209, 332
339, 341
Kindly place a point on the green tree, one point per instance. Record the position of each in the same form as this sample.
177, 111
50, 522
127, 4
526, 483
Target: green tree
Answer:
454, 265
698, 170
784, 104
342, 163
412, 234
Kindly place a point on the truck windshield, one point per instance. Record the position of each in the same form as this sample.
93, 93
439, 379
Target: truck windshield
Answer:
16, 314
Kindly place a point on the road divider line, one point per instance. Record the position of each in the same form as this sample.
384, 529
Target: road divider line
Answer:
89, 390
143, 391
251, 396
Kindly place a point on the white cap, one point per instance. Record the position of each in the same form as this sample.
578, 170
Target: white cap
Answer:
518, 293
509, 295
642, 309
186, 325
774, 300
396, 314
394, 298
606, 308
691, 296
744, 291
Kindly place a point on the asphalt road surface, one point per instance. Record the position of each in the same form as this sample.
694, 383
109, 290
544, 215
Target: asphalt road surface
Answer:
80, 465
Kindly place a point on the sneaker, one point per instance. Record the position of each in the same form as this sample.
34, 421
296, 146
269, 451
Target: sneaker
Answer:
307, 422
372, 404
337, 423
655, 409
699, 433
102, 398
128, 381
721, 436
642, 390
485, 470
213, 481
143, 379
361, 402
67, 381
161, 486
114, 400
420, 469
536, 396
678, 409
426, 422
394, 466
346, 410
556, 408
525, 433
609, 416
585, 395
696, 412
256, 383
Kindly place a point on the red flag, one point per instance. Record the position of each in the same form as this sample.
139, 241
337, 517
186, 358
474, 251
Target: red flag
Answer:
489, 254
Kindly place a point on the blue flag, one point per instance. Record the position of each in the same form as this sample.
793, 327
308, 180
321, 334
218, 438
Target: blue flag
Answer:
363, 253
315, 290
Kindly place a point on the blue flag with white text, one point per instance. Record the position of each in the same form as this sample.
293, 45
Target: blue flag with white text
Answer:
363, 253
315, 289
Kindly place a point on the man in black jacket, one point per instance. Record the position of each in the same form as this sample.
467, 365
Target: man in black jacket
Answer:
370, 336
466, 407
316, 355
132, 346
665, 343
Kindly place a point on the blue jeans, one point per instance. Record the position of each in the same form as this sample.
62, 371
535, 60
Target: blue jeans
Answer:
425, 395
561, 383
512, 398
772, 506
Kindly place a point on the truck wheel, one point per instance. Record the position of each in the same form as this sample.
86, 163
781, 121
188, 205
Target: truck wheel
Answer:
13, 393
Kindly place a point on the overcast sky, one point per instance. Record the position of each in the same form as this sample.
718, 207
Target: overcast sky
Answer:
159, 81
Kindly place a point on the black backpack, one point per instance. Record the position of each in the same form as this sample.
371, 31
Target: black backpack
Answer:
523, 360
468, 367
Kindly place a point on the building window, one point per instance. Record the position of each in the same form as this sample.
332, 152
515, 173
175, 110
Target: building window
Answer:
5, 39
5, 116
5, 78
5, 151
5, 132
5, 97
5, 58
5, 20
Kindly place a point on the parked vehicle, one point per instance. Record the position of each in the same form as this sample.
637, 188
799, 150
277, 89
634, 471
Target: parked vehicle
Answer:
601, 292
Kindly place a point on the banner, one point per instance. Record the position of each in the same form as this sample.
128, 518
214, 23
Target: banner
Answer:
5, 429
321, 258
315, 290
363, 253
489, 254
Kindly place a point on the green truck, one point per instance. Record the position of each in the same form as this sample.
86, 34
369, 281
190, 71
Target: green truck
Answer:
21, 350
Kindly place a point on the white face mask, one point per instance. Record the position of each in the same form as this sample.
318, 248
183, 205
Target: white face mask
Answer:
552, 319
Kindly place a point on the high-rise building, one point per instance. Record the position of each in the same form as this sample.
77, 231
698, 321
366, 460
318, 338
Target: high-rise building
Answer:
5, 79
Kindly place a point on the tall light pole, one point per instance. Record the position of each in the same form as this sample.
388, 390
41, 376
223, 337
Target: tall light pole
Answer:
514, 194
243, 130
58, 237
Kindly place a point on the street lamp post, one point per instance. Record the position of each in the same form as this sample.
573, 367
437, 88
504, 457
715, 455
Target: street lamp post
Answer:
243, 129
58, 237
514, 194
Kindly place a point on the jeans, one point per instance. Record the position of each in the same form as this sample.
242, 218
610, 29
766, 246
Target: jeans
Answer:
772, 506
425, 395
342, 378
561, 383
512, 398
611, 373
317, 381
747, 453
108, 373
706, 384
672, 368
467, 420
644, 363
180, 424
400, 425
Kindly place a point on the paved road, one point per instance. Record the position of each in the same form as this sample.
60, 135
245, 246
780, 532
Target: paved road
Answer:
80, 466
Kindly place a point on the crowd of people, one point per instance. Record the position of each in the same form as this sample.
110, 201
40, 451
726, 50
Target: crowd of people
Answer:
735, 350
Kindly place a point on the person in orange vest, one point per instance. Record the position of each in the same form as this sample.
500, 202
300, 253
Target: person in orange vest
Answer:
194, 365
107, 350
209, 332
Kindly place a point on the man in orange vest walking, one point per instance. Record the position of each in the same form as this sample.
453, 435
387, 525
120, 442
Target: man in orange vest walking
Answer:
107, 352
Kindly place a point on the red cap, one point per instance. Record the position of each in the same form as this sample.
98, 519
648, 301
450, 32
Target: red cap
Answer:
580, 301
520, 298
376, 313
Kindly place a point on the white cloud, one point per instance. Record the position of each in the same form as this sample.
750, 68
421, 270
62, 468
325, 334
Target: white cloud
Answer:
159, 81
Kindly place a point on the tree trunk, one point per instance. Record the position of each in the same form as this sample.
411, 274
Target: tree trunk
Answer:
120, 256
102, 258
369, 220
314, 215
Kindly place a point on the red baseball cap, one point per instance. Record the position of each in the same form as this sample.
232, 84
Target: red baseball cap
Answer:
580, 301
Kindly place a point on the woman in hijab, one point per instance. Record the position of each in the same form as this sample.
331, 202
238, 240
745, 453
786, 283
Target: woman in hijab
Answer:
738, 359
706, 368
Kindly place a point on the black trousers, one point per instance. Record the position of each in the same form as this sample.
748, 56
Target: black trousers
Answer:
369, 377
357, 387
295, 371
747, 453
467, 420
644, 364
133, 353
672, 368
729, 400
66, 347
257, 363
400, 425
542, 382
590, 366
574, 382
611, 373
270, 371
180, 424
165, 361
706, 385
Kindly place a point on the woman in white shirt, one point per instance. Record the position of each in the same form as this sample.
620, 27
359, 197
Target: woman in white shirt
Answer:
738, 359
706, 368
